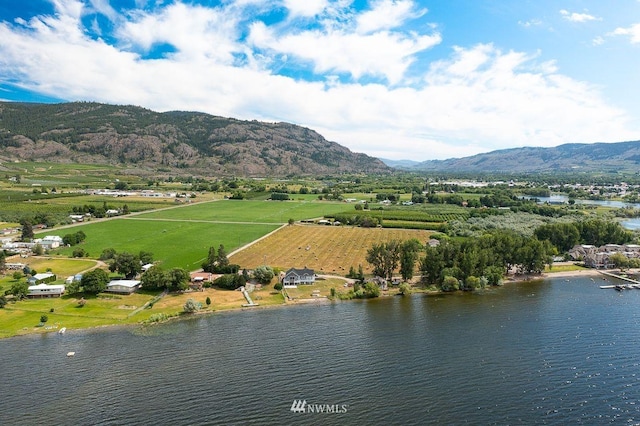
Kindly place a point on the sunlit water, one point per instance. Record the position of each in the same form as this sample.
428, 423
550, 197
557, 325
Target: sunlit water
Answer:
552, 352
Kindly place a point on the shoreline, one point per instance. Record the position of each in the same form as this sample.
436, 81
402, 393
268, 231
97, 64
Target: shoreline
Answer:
513, 279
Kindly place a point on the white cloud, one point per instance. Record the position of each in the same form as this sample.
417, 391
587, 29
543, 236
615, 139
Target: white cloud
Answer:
530, 23
103, 7
382, 54
578, 17
193, 30
477, 99
386, 14
633, 32
306, 8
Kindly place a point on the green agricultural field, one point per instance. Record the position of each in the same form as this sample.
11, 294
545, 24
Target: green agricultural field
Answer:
250, 211
174, 243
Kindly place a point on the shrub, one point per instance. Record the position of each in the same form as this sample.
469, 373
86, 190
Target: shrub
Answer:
404, 289
191, 306
44, 318
278, 286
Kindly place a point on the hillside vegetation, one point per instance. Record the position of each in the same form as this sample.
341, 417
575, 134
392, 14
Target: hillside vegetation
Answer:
141, 139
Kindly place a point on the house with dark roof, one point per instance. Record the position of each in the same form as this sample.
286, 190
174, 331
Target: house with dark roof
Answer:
293, 277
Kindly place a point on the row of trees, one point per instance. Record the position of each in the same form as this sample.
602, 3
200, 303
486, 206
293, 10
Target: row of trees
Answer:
466, 264
385, 258
484, 260
592, 231
218, 262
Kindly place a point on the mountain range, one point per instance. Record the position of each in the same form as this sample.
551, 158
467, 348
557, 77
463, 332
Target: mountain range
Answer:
574, 157
202, 144
198, 143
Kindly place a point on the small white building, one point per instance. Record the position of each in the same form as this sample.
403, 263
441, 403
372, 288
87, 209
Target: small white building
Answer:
44, 290
41, 278
123, 286
50, 242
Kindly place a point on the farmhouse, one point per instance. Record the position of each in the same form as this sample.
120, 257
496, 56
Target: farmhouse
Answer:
50, 242
44, 290
123, 286
294, 276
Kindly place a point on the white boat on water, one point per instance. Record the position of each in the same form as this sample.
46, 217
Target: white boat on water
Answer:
62, 330
71, 353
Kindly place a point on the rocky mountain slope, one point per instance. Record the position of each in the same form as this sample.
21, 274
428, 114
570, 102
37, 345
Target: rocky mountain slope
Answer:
199, 143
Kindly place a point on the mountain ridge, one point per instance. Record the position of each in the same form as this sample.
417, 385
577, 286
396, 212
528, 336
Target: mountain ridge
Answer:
570, 157
135, 137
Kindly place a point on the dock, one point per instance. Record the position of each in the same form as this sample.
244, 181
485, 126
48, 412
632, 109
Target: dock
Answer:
250, 302
634, 284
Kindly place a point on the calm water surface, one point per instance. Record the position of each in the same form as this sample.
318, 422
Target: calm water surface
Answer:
552, 352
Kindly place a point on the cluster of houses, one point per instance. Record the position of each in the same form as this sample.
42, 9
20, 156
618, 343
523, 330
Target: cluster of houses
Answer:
599, 257
47, 243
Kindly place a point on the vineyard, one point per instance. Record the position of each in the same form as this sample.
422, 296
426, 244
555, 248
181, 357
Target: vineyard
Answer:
434, 215
326, 249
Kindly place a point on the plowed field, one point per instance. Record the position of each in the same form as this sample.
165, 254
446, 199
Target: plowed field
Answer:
326, 249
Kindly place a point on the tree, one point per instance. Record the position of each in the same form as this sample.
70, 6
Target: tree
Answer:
210, 264
126, 264
263, 274
44, 318
408, 257
208, 301
20, 289
177, 279
95, 281
145, 257
291, 221
450, 284
3, 260
73, 287
384, 258
107, 254
222, 259
619, 260
79, 252
27, 230
154, 279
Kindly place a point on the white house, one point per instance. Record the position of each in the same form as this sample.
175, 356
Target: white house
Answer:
50, 242
123, 286
294, 276
44, 290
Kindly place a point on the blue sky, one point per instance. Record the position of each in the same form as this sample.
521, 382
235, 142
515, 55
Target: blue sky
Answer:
397, 79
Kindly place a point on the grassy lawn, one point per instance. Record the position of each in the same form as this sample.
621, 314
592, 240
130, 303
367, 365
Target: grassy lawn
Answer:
23, 317
322, 286
250, 211
61, 267
565, 268
174, 243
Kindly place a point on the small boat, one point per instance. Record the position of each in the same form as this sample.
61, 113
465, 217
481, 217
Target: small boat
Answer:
71, 353
62, 330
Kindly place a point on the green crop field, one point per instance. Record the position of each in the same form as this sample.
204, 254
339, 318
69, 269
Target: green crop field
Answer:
249, 211
173, 243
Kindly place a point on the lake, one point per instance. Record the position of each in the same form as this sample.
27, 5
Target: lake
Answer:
548, 352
